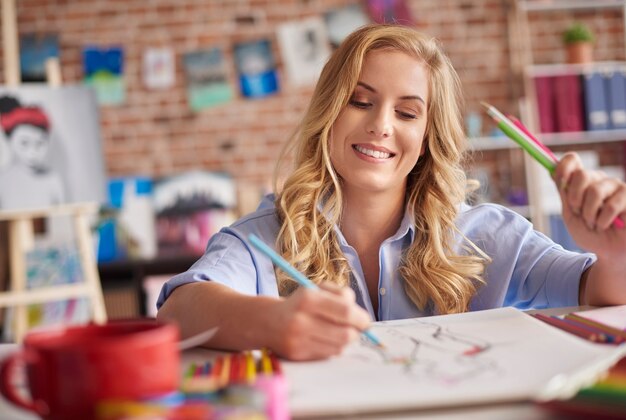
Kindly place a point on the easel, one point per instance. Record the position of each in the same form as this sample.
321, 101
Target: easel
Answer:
20, 222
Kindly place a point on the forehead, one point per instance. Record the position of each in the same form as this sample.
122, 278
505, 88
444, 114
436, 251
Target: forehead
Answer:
395, 71
27, 130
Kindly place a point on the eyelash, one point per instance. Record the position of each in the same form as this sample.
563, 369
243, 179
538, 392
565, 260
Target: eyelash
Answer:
366, 105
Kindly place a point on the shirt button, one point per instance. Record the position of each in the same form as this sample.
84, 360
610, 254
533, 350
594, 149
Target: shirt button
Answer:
382, 291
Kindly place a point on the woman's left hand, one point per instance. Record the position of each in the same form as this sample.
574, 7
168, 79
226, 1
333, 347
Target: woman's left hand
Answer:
591, 200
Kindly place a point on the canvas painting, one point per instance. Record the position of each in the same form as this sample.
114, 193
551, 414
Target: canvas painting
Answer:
51, 150
34, 51
344, 20
256, 68
305, 48
207, 81
159, 70
103, 69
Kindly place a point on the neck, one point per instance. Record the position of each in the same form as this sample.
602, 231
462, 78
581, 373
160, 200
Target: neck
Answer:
369, 218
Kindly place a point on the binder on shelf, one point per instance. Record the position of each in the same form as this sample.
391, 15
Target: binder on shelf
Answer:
615, 89
545, 104
596, 110
568, 103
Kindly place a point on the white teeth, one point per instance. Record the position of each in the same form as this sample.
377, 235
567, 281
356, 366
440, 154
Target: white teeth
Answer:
373, 153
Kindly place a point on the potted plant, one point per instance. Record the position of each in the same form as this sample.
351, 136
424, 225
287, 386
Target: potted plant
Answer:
578, 40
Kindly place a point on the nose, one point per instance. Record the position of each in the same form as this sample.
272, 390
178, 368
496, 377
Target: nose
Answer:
379, 124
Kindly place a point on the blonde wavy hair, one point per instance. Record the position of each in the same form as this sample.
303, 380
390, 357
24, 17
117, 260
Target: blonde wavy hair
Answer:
309, 204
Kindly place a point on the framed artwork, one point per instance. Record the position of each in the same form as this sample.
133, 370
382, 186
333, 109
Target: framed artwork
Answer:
104, 71
207, 79
51, 150
305, 48
34, 51
159, 68
256, 68
342, 21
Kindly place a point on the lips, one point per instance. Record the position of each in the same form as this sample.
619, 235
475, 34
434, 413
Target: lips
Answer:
374, 152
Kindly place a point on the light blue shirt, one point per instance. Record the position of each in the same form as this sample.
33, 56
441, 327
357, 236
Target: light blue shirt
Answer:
528, 269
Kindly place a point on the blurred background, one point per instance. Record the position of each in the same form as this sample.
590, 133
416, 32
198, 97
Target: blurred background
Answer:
188, 104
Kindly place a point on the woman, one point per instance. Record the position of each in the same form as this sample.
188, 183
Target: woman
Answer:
374, 209
27, 181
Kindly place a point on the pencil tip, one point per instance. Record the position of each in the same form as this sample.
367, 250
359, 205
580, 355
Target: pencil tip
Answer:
485, 104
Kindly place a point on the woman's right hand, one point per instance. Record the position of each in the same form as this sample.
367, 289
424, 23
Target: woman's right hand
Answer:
317, 324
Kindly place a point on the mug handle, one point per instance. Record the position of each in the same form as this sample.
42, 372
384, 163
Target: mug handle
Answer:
7, 389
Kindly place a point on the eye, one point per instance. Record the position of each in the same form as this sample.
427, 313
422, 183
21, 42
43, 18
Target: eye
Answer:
406, 115
360, 104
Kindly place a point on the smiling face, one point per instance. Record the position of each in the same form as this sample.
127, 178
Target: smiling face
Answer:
379, 136
29, 146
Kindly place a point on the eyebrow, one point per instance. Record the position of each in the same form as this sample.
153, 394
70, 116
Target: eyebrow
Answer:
371, 89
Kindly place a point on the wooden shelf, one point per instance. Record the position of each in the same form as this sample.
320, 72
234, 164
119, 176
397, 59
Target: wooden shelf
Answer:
583, 137
557, 5
539, 70
491, 143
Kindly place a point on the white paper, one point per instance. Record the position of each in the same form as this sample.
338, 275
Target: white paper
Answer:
499, 355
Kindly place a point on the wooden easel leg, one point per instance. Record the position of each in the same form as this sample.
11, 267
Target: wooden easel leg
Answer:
21, 241
90, 269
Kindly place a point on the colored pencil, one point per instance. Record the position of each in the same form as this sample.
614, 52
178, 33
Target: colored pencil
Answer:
520, 138
225, 374
602, 337
275, 364
250, 368
620, 336
558, 323
191, 370
266, 364
538, 142
534, 148
298, 276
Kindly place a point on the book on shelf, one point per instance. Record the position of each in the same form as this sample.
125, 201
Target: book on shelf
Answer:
545, 104
615, 88
595, 101
568, 103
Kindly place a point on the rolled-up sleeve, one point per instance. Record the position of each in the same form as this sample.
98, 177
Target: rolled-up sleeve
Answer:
230, 261
528, 270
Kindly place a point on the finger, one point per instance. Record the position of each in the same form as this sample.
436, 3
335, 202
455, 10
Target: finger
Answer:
579, 181
333, 288
594, 199
309, 348
326, 331
333, 334
564, 169
614, 206
342, 310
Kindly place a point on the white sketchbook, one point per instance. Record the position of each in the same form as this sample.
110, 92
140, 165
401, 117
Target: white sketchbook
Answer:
498, 355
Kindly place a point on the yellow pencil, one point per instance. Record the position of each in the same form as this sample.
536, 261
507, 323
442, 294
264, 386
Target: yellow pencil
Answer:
250, 368
266, 363
225, 374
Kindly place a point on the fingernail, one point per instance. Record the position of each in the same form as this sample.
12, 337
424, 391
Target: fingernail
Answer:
576, 211
563, 185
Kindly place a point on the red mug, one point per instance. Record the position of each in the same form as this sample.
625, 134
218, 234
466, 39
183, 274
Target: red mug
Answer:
70, 370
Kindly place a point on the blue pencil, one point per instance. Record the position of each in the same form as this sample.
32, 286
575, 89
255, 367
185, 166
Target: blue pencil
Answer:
297, 276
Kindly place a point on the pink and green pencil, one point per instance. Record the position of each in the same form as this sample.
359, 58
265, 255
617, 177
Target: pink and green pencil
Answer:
536, 149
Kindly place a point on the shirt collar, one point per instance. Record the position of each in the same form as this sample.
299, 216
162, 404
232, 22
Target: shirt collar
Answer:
406, 225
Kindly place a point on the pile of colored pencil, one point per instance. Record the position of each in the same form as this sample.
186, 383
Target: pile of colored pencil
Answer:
585, 328
607, 397
229, 369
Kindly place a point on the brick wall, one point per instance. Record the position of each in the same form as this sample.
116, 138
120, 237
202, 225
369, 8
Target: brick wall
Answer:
155, 133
